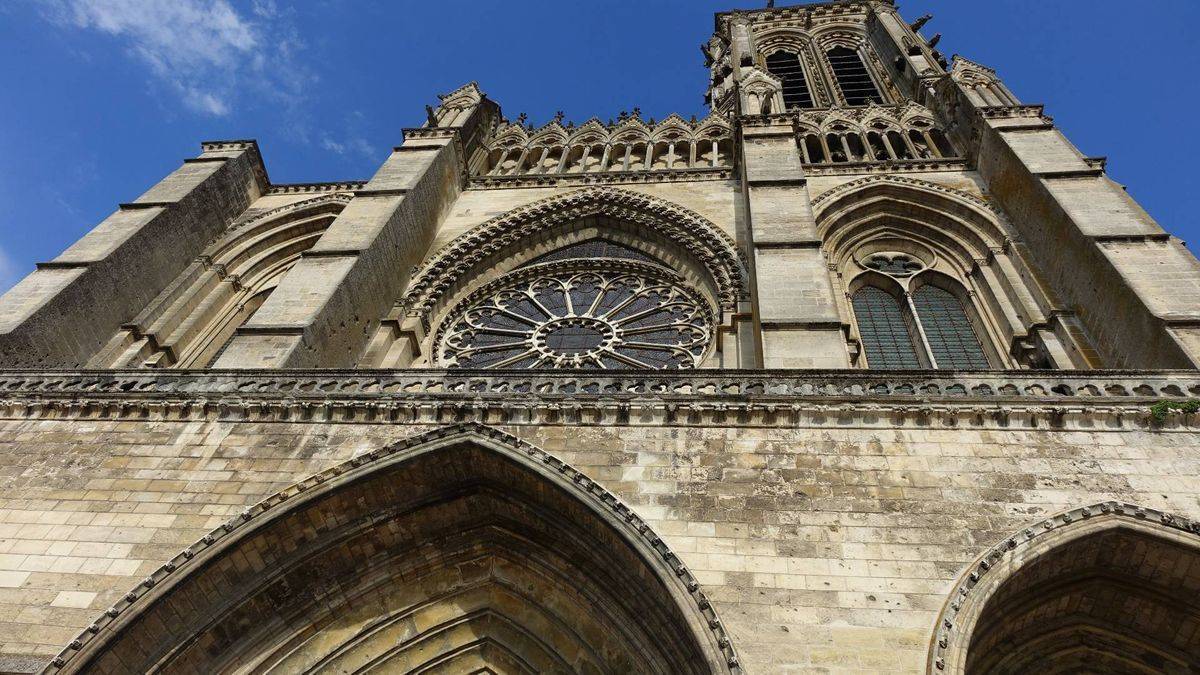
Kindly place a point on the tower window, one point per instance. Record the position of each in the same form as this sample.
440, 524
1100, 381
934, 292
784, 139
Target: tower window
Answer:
928, 329
951, 338
884, 332
786, 67
852, 76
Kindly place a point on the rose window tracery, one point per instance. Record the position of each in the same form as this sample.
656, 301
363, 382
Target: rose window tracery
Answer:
587, 314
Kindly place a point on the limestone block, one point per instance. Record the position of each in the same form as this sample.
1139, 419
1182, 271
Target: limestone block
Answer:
181, 182
109, 235
303, 292
793, 347
793, 286
1163, 274
403, 169
358, 225
1098, 207
1044, 151
772, 158
23, 299
782, 215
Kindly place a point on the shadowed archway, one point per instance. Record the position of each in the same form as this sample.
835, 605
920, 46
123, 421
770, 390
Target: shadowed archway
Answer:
461, 550
1110, 588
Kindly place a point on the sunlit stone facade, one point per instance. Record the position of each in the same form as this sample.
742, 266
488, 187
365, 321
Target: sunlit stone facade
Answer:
866, 370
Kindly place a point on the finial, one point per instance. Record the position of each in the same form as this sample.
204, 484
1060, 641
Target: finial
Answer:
623, 115
637, 112
522, 118
431, 116
770, 4
558, 116
920, 23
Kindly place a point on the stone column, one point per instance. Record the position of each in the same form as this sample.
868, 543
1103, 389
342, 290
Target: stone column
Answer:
1134, 287
796, 312
326, 306
68, 309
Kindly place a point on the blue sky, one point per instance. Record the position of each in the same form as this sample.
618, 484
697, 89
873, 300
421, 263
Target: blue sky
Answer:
102, 98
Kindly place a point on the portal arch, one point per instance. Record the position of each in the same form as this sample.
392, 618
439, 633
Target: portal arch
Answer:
1110, 587
463, 547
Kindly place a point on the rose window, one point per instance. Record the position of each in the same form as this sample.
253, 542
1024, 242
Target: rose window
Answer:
600, 314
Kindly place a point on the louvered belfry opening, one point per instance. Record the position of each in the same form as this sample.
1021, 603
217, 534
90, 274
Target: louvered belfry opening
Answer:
786, 66
852, 76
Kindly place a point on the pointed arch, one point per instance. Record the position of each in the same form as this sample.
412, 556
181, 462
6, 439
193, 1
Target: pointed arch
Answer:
1112, 586
460, 547
958, 225
697, 242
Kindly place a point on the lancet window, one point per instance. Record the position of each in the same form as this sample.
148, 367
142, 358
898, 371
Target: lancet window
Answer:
786, 66
910, 318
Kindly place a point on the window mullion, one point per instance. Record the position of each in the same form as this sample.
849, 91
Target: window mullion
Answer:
916, 319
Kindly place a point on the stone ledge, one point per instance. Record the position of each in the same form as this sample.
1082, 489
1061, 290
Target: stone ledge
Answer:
1095, 400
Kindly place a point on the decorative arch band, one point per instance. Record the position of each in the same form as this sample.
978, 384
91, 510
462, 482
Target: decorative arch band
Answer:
693, 233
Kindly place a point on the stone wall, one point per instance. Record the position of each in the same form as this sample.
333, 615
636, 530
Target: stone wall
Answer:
823, 546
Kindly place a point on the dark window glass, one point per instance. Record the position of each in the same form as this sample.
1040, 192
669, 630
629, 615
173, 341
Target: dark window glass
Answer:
591, 250
852, 77
948, 330
786, 66
884, 334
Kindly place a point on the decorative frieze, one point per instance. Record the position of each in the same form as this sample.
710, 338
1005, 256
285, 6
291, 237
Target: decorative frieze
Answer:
315, 188
1096, 400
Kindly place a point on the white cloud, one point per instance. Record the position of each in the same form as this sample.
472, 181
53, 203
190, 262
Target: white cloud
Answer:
204, 50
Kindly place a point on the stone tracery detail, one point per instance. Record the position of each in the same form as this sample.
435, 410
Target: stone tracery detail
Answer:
559, 315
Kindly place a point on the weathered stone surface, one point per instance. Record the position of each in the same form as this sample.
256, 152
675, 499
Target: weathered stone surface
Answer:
213, 495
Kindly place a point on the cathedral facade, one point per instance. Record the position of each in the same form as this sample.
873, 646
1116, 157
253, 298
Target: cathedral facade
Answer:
868, 370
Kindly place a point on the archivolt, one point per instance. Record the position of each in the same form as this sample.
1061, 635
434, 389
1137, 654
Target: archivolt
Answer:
1025, 598
691, 232
961, 226
462, 548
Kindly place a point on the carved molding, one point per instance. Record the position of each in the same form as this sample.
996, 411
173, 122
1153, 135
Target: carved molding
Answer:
598, 178
691, 231
853, 185
307, 188
1090, 400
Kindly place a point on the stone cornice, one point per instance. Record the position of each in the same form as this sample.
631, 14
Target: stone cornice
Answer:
1095, 400
890, 166
315, 188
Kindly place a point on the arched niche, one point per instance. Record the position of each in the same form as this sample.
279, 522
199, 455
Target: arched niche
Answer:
460, 550
190, 322
1110, 588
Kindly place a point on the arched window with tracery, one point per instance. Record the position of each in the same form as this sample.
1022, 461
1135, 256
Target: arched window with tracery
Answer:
786, 66
595, 304
909, 317
852, 76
